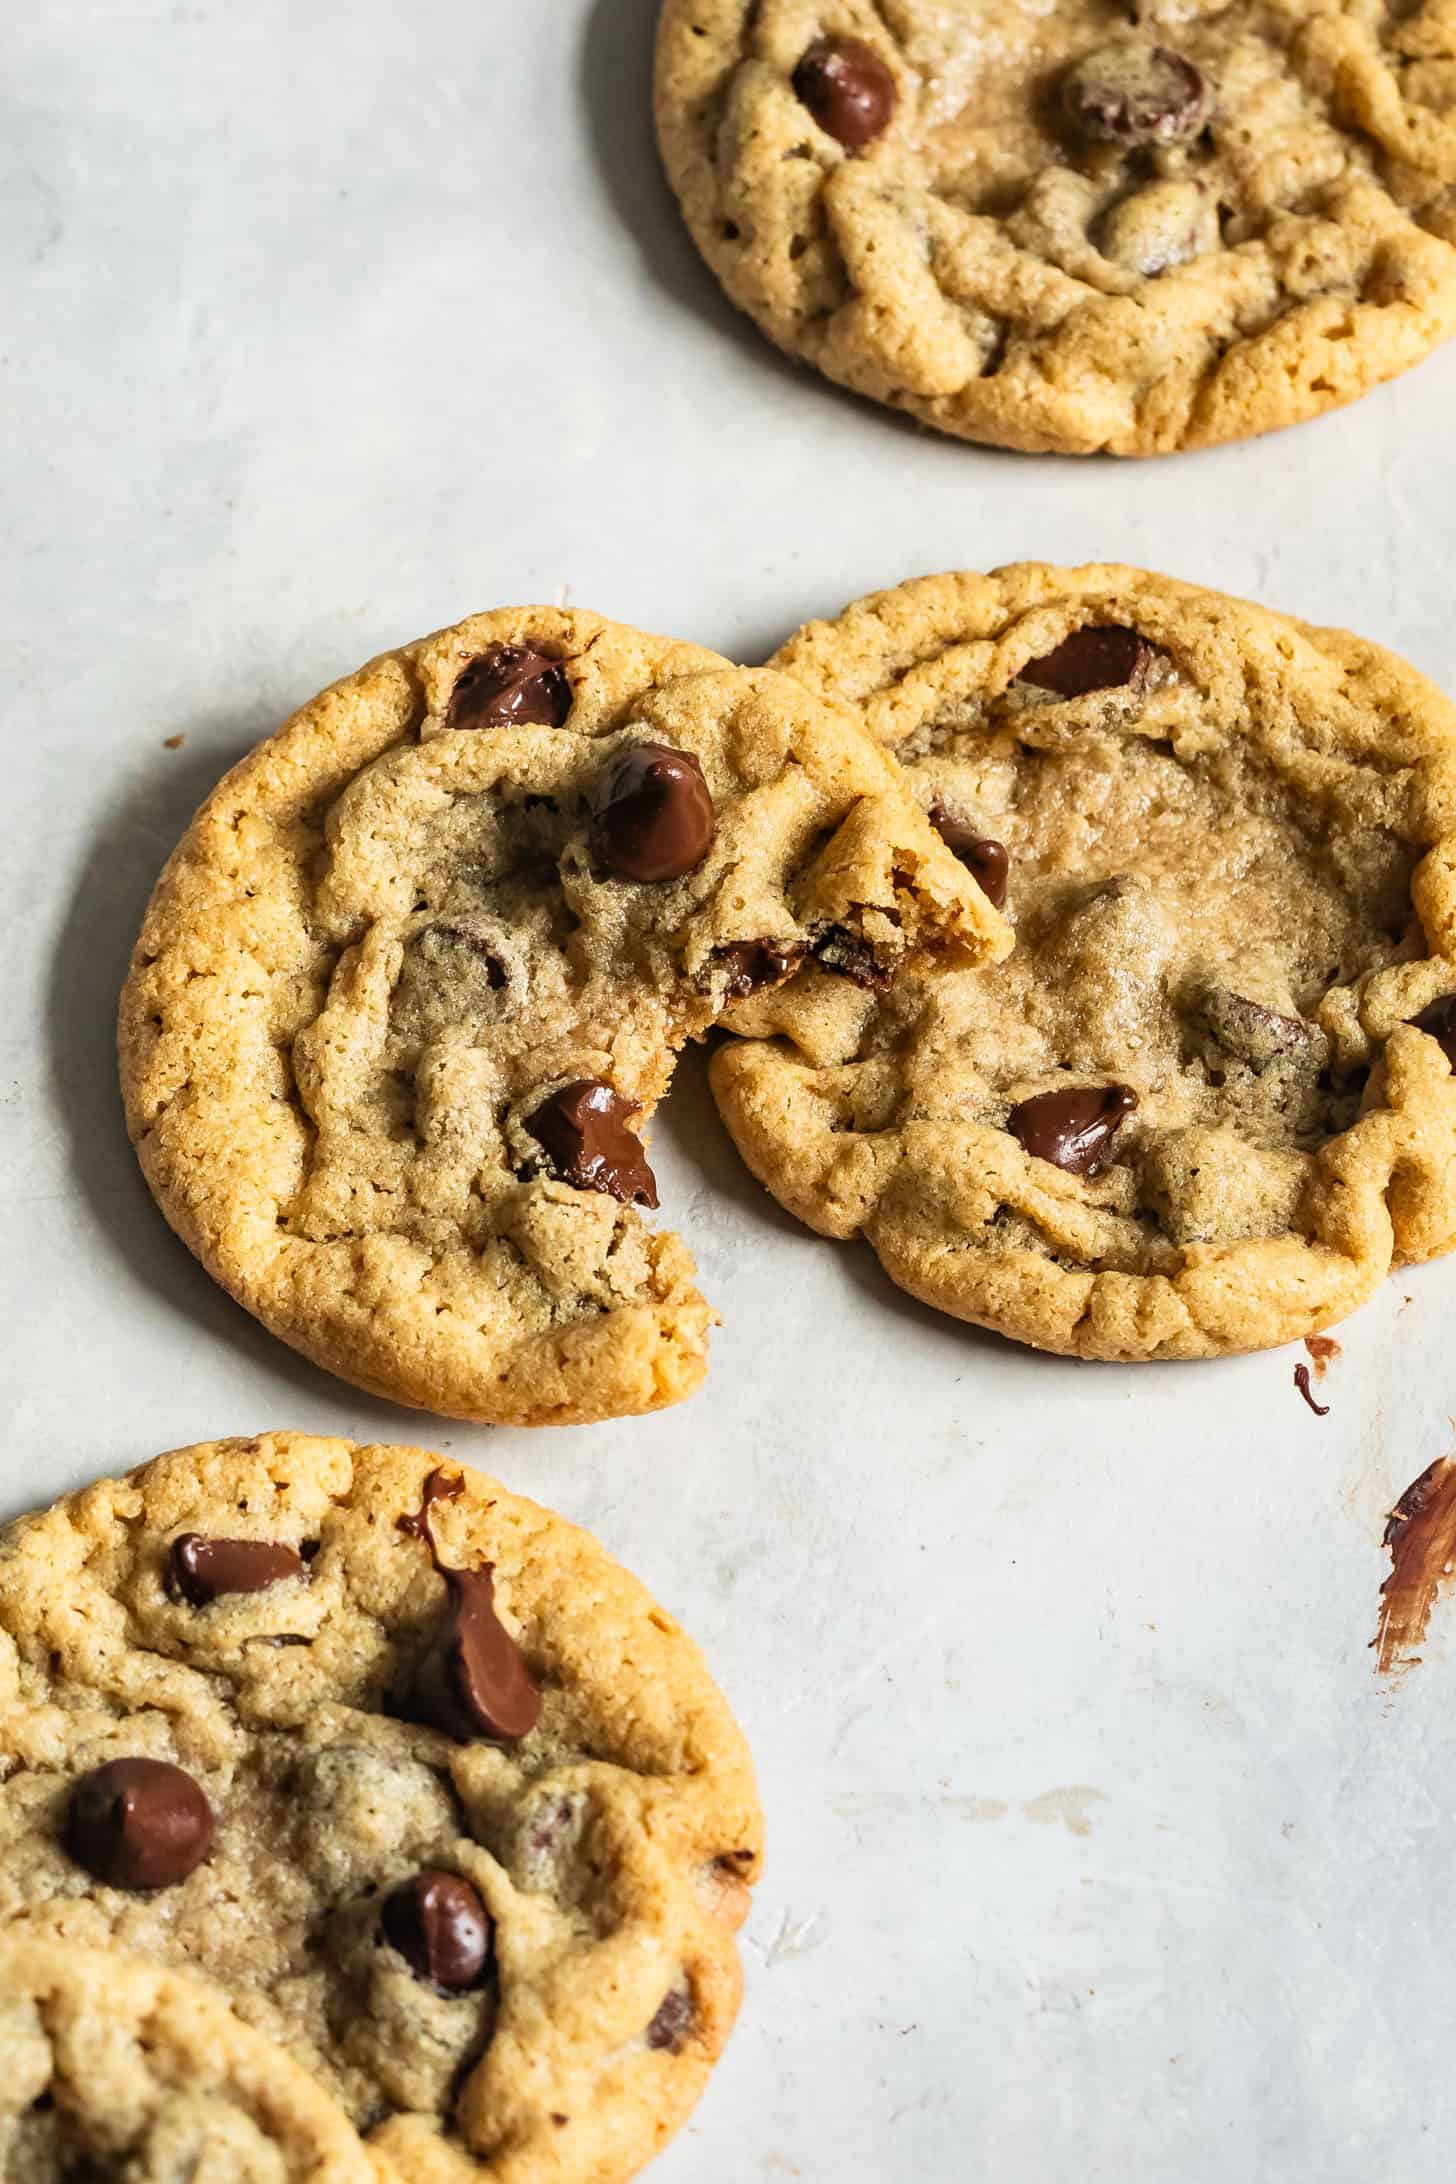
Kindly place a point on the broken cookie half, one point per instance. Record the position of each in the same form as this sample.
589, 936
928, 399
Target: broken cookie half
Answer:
414, 981
1208, 1101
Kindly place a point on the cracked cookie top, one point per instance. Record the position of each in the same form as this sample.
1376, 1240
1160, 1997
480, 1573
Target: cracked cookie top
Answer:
1208, 1098
113, 2068
405, 1768
1072, 225
419, 972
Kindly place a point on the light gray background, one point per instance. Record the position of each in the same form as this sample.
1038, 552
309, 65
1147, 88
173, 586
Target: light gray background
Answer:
1097, 1850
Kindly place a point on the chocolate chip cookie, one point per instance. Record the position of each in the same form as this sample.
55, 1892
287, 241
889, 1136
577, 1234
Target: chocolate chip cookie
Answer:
114, 2068
1069, 225
418, 974
1209, 1099
425, 1787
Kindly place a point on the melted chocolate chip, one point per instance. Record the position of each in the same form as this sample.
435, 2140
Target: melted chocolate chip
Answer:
139, 1824
674, 2020
839, 951
441, 1928
456, 936
441, 1485
985, 859
203, 1570
1129, 93
1073, 1129
750, 966
1097, 657
474, 1681
848, 89
583, 1131
652, 817
1439, 1019
511, 685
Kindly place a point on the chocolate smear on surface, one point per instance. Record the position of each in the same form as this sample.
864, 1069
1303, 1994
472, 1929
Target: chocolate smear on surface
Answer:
1301, 1381
1421, 1540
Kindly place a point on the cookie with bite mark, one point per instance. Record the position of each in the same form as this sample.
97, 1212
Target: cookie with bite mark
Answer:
410, 988
1207, 1102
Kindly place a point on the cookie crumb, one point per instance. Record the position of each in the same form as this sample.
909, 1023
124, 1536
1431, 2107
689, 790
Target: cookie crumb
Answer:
1323, 1350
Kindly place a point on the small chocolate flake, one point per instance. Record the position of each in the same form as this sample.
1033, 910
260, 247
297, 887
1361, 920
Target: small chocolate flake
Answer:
839, 950
670, 2027
752, 966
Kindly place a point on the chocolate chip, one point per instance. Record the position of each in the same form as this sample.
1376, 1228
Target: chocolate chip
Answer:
1098, 657
473, 1682
1072, 1129
457, 936
139, 1824
986, 860
1258, 1035
1130, 93
441, 1928
583, 1131
670, 2027
203, 1570
839, 951
848, 89
511, 686
652, 817
750, 966
1439, 1019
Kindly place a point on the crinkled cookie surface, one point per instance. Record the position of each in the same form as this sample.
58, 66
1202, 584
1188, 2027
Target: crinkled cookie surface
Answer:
421, 967
1072, 225
504, 1946
112, 2068
1208, 1100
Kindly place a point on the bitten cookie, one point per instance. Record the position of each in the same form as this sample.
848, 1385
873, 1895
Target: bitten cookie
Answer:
420, 970
1075, 227
405, 1767
115, 2069
1209, 1099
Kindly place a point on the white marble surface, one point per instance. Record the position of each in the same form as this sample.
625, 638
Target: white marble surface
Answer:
1097, 1849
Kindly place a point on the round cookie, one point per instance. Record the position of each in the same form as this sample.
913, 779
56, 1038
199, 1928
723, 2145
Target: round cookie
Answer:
1075, 227
1208, 1100
482, 1827
421, 968
115, 2069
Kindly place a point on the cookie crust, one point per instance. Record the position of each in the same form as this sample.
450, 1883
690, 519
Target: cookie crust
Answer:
1006, 276
613, 1847
387, 939
1184, 851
